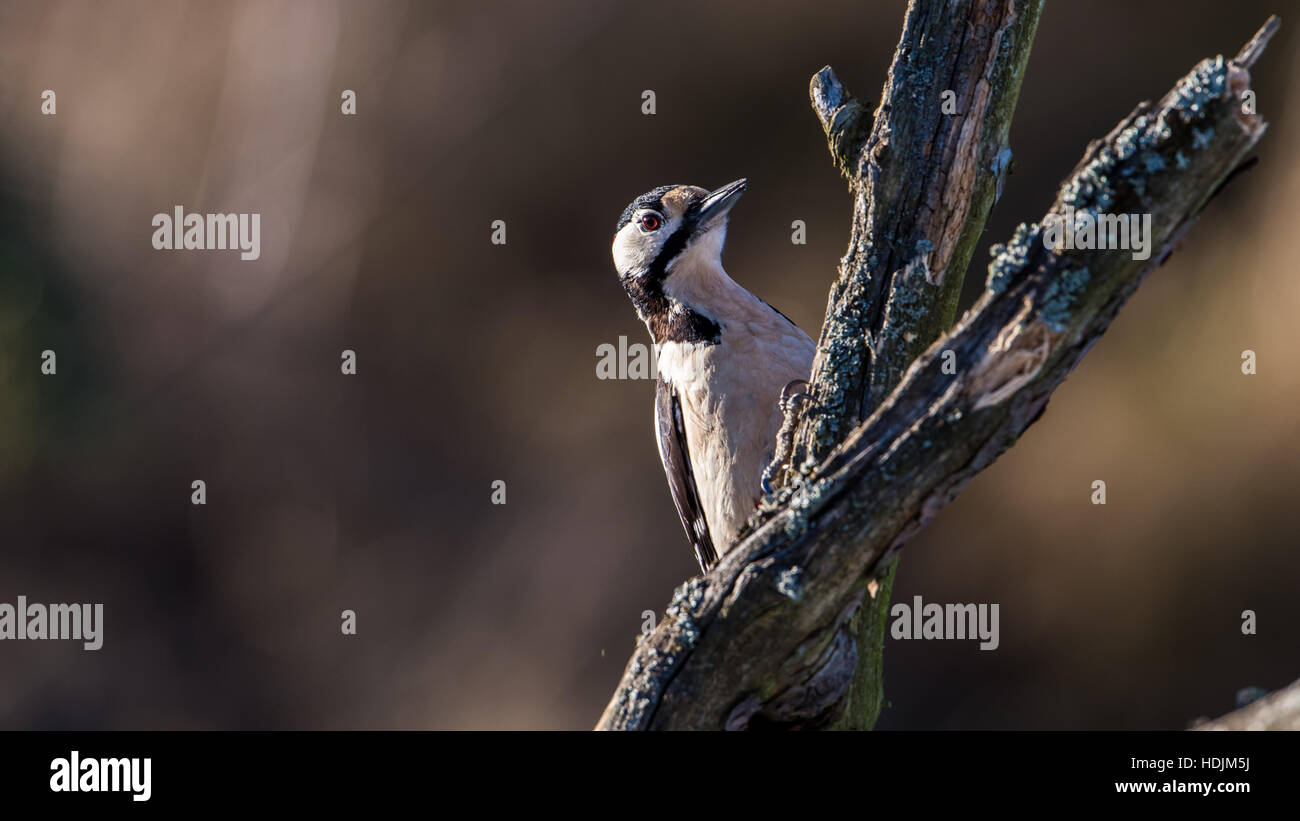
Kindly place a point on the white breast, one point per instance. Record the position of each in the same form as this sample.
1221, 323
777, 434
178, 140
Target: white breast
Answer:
730, 393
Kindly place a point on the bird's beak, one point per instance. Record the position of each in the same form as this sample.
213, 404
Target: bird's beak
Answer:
717, 204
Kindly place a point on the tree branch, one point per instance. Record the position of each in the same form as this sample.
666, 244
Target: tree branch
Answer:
766, 637
1275, 711
924, 179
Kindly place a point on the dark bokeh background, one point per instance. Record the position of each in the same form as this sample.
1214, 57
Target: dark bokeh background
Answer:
477, 363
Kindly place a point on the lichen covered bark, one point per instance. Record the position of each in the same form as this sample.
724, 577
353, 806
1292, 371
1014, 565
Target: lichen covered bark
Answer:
924, 178
771, 637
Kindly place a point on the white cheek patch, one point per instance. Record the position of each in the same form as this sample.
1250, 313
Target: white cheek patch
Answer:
630, 250
634, 249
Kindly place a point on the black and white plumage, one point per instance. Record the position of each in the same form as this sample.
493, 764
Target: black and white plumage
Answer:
724, 357
674, 452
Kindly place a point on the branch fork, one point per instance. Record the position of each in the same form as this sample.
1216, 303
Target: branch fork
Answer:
785, 630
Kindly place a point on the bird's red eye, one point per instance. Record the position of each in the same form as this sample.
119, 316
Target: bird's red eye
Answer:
650, 222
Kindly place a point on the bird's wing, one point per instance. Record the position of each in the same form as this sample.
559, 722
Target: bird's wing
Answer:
676, 456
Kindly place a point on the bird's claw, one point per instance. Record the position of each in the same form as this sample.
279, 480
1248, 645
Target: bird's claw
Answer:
787, 396
785, 437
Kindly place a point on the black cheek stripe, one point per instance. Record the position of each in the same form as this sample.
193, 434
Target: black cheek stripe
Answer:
675, 244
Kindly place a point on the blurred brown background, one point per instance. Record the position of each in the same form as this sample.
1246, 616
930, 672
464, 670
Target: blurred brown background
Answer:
477, 362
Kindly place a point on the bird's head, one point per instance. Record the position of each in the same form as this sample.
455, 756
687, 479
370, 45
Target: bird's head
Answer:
665, 227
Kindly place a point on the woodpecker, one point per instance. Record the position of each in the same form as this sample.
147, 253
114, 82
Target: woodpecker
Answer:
724, 358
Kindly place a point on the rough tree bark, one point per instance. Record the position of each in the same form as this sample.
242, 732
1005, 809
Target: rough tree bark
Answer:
1275, 711
785, 631
924, 175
